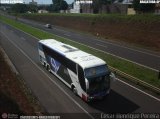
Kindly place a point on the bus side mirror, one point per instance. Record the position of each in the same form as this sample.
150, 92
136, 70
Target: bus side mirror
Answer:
112, 76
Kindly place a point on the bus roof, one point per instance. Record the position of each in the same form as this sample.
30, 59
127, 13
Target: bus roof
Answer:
85, 60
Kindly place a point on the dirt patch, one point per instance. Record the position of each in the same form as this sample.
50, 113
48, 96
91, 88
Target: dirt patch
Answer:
141, 33
15, 98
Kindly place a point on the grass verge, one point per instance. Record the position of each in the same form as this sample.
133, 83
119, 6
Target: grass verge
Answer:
15, 96
132, 69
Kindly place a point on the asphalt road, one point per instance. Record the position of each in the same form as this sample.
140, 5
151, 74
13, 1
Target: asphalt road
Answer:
140, 56
57, 98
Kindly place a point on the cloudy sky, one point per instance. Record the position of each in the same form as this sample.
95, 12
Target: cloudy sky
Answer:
46, 1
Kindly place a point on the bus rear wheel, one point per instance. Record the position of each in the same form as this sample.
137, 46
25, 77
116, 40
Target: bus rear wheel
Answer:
48, 68
74, 90
44, 64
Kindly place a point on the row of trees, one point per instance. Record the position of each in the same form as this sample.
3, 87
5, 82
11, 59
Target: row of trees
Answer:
143, 8
97, 5
140, 8
55, 7
23, 8
62, 5
59, 5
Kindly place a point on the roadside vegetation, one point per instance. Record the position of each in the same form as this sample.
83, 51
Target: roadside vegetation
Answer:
137, 30
97, 6
15, 97
138, 17
132, 69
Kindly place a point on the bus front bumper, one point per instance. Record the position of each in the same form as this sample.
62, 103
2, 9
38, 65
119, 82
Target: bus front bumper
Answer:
98, 96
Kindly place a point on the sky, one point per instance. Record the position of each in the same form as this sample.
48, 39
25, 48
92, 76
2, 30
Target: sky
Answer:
46, 1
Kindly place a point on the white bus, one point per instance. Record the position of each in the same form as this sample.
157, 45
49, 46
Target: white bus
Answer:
88, 76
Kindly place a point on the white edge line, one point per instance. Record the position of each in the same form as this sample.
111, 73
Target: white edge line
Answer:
112, 55
139, 90
67, 34
23, 38
49, 77
87, 46
101, 45
104, 52
106, 42
107, 53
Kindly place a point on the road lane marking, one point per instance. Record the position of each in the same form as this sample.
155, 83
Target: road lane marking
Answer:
117, 56
67, 34
101, 51
113, 55
106, 42
97, 49
49, 77
23, 38
101, 45
139, 90
61, 30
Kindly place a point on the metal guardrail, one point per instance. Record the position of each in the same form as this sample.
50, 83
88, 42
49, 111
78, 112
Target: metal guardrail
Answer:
136, 80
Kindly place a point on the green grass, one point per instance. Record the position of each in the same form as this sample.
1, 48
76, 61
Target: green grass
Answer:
132, 69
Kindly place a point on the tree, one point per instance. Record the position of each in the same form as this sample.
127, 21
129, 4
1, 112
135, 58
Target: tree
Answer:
50, 8
97, 4
19, 8
143, 8
59, 5
32, 8
64, 5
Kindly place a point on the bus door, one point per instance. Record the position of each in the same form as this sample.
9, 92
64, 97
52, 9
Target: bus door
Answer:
77, 83
81, 80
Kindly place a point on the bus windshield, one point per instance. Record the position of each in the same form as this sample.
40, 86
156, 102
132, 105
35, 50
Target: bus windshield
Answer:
98, 78
96, 71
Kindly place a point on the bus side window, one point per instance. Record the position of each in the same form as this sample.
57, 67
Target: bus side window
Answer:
81, 78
